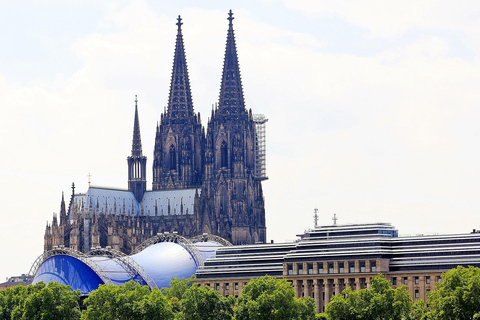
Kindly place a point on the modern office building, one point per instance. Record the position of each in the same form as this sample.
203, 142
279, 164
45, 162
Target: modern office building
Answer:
328, 259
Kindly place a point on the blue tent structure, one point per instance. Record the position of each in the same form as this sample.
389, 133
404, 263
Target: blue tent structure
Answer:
154, 263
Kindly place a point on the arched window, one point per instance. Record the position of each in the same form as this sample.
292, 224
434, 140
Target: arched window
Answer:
223, 155
172, 157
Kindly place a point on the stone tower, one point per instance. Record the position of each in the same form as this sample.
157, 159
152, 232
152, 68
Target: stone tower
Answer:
233, 205
137, 163
178, 154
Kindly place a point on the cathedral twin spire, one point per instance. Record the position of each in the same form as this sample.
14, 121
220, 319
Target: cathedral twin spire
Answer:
231, 92
180, 104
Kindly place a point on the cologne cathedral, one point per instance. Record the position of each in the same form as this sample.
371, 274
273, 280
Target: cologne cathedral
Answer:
204, 181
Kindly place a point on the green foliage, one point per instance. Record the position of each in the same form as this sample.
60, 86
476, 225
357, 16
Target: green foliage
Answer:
270, 298
457, 296
205, 304
419, 311
178, 287
379, 302
39, 301
177, 290
130, 301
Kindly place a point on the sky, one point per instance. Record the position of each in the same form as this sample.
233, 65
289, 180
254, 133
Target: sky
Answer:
373, 106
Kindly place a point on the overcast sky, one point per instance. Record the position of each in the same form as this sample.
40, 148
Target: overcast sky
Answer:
373, 106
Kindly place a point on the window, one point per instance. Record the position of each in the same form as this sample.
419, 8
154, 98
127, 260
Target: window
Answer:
341, 267
373, 266
207, 285
320, 268
217, 286
330, 267
439, 279
362, 266
300, 268
417, 281
351, 267
417, 294
405, 280
289, 269
227, 286
394, 281
223, 155
427, 279
172, 157
235, 286
310, 268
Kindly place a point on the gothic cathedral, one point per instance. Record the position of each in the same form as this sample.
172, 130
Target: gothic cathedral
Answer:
203, 182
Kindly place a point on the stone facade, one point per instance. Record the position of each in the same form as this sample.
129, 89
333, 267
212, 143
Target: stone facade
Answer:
322, 280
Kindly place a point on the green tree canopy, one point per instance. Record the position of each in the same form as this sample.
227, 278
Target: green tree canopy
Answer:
271, 298
379, 302
205, 304
39, 301
130, 301
457, 296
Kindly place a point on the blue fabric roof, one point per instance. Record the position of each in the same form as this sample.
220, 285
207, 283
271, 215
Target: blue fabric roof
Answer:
161, 261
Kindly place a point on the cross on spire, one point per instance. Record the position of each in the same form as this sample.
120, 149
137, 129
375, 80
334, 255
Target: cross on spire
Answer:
230, 17
89, 181
179, 22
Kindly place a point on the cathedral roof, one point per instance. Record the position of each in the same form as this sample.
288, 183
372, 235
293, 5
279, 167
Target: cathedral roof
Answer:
231, 92
117, 201
180, 105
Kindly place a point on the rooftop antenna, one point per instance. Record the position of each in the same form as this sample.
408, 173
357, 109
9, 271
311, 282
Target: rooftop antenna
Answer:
89, 181
334, 219
315, 217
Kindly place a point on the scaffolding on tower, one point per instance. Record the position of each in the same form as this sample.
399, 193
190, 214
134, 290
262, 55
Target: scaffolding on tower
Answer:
260, 147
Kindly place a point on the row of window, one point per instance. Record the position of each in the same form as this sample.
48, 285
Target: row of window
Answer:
225, 285
415, 279
342, 267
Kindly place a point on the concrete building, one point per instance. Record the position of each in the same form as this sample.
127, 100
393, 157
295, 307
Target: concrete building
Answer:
328, 259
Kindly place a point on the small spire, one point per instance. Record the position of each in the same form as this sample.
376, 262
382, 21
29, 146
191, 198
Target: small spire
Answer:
89, 179
136, 141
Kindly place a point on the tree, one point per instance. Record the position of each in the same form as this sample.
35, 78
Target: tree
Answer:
379, 302
457, 296
419, 311
39, 301
271, 298
177, 290
205, 304
129, 301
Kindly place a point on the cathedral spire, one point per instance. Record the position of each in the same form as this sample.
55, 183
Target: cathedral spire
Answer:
231, 92
180, 101
137, 162
137, 141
